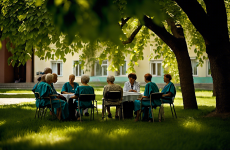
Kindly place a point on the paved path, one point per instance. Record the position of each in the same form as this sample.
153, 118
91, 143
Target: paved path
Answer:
9, 101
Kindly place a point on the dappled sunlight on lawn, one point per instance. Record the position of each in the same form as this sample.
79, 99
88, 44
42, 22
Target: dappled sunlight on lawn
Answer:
2, 122
192, 124
118, 132
47, 135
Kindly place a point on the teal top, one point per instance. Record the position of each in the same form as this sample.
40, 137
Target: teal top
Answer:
84, 90
44, 90
169, 88
150, 87
54, 90
68, 88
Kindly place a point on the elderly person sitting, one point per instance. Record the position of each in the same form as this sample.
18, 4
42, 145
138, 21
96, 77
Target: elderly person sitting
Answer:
150, 87
83, 89
70, 87
169, 90
132, 85
45, 90
46, 71
112, 87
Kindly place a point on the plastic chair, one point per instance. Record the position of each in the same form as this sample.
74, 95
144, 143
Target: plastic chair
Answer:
153, 96
44, 108
87, 98
114, 97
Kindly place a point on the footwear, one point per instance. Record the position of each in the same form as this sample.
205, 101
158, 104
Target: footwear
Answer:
86, 114
116, 117
110, 115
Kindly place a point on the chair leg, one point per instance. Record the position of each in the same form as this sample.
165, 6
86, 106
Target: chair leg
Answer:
105, 112
103, 109
79, 109
174, 111
171, 111
140, 110
42, 113
120, 112
93, 110
152, 113
45, 112
91, 114
36, 112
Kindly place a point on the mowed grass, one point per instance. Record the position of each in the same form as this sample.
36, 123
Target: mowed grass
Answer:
191, 130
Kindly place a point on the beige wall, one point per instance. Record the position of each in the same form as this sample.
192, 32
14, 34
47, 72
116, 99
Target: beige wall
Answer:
142, 68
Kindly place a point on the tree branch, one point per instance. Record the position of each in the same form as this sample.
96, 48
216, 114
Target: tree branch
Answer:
177, 30
132, 36
161, 32
217, 12
197, 16
123, 21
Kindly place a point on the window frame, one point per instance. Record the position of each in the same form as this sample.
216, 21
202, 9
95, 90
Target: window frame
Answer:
156, 62
61, 67
193, 58
82, 71
121, 70
102, 69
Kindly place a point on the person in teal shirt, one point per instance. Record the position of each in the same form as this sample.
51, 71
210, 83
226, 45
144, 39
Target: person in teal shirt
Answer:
45, 90
169, 91
70, 87
150, 87
84, 89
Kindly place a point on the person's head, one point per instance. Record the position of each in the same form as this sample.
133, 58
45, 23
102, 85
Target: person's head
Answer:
47, 70
85, 79
110, 79
55, 77
71, 78
132, 77
148, 77
43, 78
167, 78
49, 78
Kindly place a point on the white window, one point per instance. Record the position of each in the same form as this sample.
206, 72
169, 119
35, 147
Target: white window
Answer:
100, 70
208, 68
156, 68
56, 67
121, 70
77, 70
194, 67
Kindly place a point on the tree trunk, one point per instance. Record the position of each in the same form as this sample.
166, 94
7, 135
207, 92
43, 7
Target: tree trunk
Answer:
179, 47
214, 91
220, 67
186, 77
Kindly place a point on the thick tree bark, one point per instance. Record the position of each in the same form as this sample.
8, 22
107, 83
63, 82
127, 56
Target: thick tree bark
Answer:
213, 27
179, 47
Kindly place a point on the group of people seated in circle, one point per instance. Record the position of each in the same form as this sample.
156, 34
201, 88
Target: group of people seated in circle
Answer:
45, 88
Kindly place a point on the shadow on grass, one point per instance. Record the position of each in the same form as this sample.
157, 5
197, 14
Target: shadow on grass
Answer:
19, 130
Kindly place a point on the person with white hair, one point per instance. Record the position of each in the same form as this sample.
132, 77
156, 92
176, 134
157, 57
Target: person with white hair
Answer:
112, 87
83, 89
45, 90
70, 87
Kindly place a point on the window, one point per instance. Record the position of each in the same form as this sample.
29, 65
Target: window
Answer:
100, 70
194, 67
156, 68
77, 71
56, 67
208, 68
121, 70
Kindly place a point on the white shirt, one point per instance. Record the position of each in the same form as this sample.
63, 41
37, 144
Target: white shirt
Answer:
127, 86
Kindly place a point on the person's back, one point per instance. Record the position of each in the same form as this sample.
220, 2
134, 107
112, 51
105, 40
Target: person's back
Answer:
112, 87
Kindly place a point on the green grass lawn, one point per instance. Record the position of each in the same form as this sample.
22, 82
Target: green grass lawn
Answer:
191, 130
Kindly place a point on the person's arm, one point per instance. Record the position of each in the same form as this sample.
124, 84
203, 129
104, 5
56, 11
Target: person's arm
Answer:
169, 94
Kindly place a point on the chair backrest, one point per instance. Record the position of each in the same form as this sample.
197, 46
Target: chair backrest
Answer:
113, 95
37, 95
86, 97
156, 96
